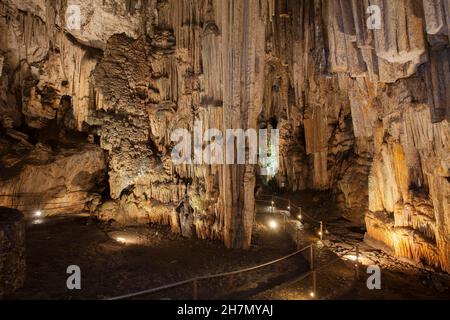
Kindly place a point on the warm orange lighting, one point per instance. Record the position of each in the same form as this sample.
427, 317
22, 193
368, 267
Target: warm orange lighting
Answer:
273, 224
121, 240
352, 257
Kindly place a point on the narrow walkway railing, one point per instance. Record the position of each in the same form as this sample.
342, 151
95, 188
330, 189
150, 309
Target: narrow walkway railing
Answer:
302, 215
289, 206
194, 282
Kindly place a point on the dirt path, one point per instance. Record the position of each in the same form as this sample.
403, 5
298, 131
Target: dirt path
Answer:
400, 280
110, 268
153, 257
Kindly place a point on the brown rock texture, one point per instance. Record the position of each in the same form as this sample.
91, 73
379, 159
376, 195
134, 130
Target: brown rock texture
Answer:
12, 251
362, 112
39, 179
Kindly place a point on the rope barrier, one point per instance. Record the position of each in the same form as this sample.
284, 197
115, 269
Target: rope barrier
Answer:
195, 280
339, 257
303, 213
191, 280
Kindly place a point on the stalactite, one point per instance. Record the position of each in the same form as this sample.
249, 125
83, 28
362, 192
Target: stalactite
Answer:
352, 105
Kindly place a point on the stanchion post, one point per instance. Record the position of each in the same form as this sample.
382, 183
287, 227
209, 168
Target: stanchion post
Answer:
321, 231
314, 284
195, 289
357, 263
297, 240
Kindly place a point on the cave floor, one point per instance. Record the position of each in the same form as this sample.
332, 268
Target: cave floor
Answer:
399, 279
337, 282
154, 257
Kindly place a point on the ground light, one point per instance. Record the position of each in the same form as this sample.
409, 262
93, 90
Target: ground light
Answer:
299, 216
352, 257
127, 237
312, 294
38, 214
121, 240
273, 224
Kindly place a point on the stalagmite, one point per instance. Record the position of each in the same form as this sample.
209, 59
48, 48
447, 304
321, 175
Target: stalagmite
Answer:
243, 91
362, 109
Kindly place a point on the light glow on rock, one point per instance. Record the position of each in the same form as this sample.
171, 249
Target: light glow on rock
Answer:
121, 240
273, 224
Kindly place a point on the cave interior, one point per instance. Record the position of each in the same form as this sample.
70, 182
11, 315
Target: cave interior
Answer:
97, 98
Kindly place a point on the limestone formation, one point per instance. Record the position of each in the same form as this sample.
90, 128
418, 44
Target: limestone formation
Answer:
362, 107
39, 179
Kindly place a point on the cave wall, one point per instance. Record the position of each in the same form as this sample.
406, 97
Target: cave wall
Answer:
372, 108
134, 72
362, 113
188, 77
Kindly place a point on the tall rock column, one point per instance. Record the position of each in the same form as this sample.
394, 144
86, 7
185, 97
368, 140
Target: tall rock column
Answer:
243, 39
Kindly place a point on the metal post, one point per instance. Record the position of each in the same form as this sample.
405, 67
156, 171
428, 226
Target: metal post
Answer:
297, 238
314, 284
357, 263
272, 204
195, 289
285, 223
313, 271
321, 231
